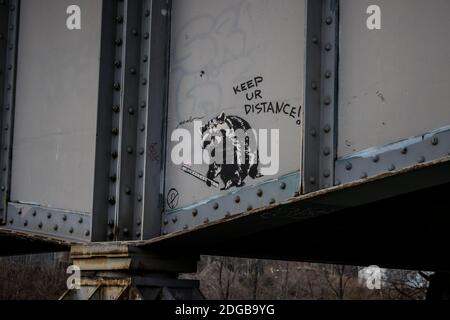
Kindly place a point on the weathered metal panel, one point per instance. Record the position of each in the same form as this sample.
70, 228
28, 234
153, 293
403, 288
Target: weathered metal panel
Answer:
394, 81
9, 15
232, 63
56, 107
320, 95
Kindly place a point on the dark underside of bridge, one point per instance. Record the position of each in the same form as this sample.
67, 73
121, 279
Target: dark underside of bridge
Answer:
15, 244
410, 231
406, 231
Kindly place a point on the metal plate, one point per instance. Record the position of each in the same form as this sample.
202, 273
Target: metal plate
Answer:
223, 52
56, 106
394, 81
58, 224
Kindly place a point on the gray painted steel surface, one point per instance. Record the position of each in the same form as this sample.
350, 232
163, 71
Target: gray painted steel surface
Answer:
56, 106
91, 110
216, 47
393, 82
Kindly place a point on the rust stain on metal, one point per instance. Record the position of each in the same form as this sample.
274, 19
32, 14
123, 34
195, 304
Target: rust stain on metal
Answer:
102, 263
109, 249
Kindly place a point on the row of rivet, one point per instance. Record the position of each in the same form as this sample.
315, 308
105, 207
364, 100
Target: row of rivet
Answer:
142, 120
216, 207
137, 153
434, 141
8, 103
4, 12
117, 109
50, 218
327, 114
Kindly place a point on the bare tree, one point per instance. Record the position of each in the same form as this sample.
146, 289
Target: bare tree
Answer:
227, 276
338, 280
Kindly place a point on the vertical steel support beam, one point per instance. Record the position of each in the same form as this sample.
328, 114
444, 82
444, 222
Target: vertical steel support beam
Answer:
106, 110
151, 124
9, 18
124, 127
320, 94
138, 104
127, 88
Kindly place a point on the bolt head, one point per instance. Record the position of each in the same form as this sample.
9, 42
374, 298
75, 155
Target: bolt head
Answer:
435, 141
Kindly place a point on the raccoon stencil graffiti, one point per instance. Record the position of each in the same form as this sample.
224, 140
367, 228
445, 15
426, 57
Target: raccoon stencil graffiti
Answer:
234, 156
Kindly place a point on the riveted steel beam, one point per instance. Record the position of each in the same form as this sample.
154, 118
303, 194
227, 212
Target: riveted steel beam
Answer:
320, 94
60, 224
9, 17
126, 85
249, 199
394, 157
102, 217
155, 46
138, 91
